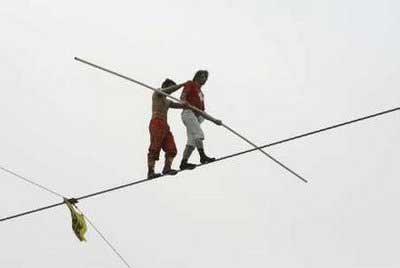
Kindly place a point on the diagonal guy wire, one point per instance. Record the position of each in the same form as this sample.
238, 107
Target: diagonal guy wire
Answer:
59, 195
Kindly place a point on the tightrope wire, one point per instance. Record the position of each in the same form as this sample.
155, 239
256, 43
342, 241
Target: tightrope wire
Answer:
217, 160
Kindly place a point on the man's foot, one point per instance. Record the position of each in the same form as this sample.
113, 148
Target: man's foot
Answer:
152, 175
205, 159
185, 165
169, 171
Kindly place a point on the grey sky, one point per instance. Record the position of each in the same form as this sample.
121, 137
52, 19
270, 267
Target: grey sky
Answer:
277, 68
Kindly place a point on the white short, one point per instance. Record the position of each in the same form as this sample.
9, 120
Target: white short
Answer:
193, 128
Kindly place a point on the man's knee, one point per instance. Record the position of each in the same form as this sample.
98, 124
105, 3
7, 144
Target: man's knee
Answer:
191, 141
170, 149
199, 135
171, 153
153, 154
155, 147
199, 143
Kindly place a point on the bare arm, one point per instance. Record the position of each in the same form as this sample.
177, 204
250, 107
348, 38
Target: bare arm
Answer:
172, 89
176, 105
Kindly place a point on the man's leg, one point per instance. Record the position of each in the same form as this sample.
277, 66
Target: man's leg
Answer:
169, 148
156, 138
188, 119
186, 154
204, 159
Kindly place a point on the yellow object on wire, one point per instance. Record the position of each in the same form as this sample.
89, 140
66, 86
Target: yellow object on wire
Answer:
78, 221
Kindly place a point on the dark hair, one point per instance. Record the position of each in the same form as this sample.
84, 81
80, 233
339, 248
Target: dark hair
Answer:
168, 83
200, 72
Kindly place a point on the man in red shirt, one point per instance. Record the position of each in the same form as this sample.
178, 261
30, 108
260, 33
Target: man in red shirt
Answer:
193, 95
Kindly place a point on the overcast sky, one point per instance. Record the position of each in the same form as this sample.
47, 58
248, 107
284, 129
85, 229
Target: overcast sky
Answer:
277, 69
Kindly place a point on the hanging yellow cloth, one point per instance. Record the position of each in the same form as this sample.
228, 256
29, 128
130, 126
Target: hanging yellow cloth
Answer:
78, 221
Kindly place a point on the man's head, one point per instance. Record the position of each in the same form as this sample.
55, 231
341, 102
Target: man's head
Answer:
168, 83
201, 77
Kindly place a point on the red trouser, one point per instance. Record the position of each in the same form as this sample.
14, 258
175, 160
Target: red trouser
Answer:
161, 138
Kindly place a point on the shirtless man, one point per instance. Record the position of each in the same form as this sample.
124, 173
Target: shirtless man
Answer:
160, 134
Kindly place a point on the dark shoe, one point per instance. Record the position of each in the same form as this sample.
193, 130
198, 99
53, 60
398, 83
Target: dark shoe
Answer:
169, 171
185, 165
205, 159
153, 175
